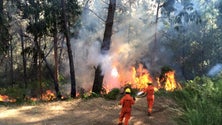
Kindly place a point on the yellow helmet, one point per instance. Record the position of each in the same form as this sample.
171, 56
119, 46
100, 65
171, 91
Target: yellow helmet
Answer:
128, 90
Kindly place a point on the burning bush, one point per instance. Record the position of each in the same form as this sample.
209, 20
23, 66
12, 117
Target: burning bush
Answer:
12, 94
137, 78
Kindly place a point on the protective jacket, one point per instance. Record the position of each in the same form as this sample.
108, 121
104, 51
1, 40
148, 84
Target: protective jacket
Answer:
126, 102
150, 97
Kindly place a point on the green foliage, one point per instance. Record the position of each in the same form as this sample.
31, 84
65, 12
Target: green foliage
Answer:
161, 92
201, 102
4, 33
14, 92
90, 95
166, 69
113, 94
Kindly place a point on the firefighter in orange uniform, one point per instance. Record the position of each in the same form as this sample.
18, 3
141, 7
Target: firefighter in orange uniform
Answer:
126, 101
149, 90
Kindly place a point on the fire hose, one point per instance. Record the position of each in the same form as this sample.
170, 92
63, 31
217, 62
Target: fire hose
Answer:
141, 94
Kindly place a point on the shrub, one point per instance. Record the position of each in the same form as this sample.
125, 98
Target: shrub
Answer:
113, 94
201, 102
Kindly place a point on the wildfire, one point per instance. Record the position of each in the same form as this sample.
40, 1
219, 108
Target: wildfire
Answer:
5, 98
139, 77
170, 83
114, 72
48, 95
143, 77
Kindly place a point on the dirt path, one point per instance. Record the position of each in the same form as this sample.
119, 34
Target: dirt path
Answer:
97, 111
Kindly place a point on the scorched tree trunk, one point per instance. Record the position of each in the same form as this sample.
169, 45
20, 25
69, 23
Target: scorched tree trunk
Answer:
98, 80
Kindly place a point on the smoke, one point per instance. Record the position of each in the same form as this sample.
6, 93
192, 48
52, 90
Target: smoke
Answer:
133, 32
215, 70
132, 39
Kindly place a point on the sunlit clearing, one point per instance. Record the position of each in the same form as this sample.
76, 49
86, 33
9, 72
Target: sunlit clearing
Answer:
10, 112
57, 108
31, 114
15, 112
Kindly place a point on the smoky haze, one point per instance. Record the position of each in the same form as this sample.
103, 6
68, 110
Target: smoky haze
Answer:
130, 42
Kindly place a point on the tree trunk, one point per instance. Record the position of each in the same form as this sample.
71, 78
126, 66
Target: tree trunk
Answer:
98, 80
58, 94
69, 49
35, 59
155, 36
55, 53
60, 54
40, 67
11, 64
1, 8
56, 62
23, 59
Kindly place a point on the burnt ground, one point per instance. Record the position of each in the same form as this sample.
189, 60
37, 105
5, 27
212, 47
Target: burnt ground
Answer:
96, 111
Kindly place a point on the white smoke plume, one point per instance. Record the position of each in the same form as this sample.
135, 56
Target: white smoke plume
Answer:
132, 39
215, 70
130, 42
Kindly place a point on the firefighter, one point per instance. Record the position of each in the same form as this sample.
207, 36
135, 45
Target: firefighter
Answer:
126, 101
149, 90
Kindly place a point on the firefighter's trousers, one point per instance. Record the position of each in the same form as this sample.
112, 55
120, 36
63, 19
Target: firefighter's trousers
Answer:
150, 102
126, 115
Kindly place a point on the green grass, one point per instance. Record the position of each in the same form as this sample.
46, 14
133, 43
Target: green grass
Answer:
201, 102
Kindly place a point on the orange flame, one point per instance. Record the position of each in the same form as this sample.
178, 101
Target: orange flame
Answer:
170, 83
143, 77
48, 95
5, 98
114, 72
138, 78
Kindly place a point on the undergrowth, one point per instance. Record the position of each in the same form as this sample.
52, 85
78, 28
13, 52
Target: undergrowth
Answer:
201, 100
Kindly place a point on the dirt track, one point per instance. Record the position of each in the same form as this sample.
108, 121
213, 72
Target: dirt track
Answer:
97, 111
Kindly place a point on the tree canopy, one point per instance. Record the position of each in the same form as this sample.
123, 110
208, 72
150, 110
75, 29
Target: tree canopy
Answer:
184, 35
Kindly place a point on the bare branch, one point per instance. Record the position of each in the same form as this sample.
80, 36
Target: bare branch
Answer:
95, 14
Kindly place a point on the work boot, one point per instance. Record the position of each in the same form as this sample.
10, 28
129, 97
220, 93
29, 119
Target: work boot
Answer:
120, 123
149, 114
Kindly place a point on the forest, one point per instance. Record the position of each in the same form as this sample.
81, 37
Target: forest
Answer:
82, 54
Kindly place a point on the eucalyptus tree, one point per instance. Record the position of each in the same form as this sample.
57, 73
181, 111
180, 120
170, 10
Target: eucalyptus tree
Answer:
6, 39
98, 80
189, 30
70, 12
4, 31
51, 15
33, 12
61, 17
49, 21
181, 23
